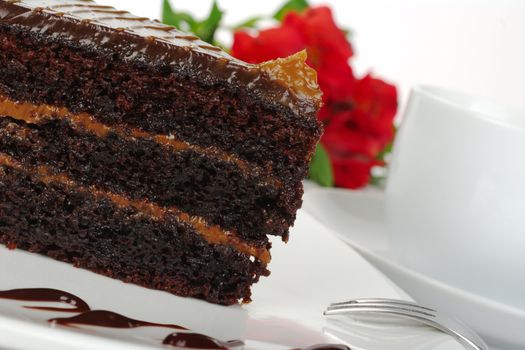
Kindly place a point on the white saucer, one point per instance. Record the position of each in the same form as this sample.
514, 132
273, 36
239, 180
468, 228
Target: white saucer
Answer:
358, 217
312, 270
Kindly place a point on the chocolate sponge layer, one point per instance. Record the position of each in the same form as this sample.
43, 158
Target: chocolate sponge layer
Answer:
93, 233
155, 97
210, 188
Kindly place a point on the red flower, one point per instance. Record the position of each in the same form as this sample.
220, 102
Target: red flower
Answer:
357, 113
268, 45
313, 30
357, 132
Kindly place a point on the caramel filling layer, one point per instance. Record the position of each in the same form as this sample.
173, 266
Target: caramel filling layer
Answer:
213, 234
35, 114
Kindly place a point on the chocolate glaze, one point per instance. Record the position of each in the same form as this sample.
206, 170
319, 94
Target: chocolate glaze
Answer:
288, 82
47, 295
199, 341
109, 319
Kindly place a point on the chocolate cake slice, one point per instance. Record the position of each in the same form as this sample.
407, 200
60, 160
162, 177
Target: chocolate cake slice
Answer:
142, 153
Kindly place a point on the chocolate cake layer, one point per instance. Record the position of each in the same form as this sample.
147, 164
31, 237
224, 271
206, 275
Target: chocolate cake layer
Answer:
213, 189
92, 232
157, 95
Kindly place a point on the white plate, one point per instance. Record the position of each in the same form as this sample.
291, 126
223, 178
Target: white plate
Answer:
358, 217
313, 269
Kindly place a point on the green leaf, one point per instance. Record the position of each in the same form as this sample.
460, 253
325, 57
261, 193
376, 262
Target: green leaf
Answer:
379, 181
184, 21
249, 23
385, 152
290, 5
207, 28
321, 168
181, 20
388, 149
168, 15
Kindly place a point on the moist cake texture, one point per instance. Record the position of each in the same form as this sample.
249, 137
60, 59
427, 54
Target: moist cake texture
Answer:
140, 152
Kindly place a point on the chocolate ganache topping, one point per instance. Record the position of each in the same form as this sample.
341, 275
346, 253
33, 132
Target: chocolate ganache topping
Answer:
85, 24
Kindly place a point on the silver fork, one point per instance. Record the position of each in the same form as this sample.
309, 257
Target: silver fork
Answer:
405, 309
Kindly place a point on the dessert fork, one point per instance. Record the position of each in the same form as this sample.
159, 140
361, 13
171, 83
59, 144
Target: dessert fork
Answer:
405, 309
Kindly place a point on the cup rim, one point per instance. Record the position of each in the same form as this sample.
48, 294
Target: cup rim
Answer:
438, 93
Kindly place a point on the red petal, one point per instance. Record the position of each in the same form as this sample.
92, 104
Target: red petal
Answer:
269, 44
351, 172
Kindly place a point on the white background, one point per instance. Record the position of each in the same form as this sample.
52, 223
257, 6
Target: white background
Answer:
476, 46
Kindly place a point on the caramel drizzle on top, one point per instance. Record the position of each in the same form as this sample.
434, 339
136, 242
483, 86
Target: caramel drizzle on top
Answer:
35, 114
213, 234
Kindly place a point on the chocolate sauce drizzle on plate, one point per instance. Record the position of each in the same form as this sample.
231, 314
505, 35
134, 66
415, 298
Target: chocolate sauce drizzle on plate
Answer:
199, 341
326, 347
109, 319
47, 295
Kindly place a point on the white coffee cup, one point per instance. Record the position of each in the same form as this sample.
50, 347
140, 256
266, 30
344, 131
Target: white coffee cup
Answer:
456, 193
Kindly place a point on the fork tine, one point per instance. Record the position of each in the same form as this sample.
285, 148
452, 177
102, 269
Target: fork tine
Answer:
408, 310
377, 307
479, 345
383, 300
